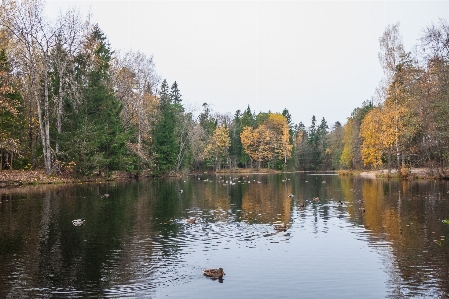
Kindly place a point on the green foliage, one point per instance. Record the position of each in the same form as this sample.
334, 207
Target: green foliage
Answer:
100, 141
166, 139
236, 147
335, 146
106, 126
312, 146
347, 151
12, 119
206, 121
261, 118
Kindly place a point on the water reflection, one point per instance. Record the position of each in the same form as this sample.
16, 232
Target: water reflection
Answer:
137, 243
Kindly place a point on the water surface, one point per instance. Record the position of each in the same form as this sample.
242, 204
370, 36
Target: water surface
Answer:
136, 241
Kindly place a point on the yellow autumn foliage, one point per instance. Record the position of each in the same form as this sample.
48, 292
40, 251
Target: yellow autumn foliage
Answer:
271, 140
346, 155
380, 130
218, 146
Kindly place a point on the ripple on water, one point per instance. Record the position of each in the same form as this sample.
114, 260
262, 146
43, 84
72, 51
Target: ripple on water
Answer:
325, 245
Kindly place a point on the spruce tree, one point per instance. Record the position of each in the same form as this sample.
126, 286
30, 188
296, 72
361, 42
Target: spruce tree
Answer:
247, 120
166, 145
100, 140
207, 121
236, 143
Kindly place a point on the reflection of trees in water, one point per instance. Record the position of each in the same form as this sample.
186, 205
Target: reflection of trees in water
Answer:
266, 203
18, 237
408, 216
55, 254
140, 231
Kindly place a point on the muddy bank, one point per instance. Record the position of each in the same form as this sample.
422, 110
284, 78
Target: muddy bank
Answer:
414, 173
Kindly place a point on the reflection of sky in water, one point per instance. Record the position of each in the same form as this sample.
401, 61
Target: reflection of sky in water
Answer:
137, 242
313, 259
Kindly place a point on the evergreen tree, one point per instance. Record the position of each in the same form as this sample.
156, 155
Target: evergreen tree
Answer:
312, 155
323, 153
166, 141
207, 122
164, 94
336, 145
301, 145
236, 147
288, 117
101, 140
261, 118
291, 163
247, 120
175, 95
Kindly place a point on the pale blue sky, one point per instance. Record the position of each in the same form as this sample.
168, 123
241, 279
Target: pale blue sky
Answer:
314, 58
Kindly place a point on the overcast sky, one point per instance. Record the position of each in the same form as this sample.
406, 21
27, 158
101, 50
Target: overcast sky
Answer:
313, 58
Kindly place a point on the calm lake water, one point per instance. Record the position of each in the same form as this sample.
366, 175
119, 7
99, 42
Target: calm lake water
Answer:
136, 242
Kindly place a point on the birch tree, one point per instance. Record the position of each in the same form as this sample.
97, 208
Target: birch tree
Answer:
434, 97
70, 35
390, 55
33, 40
135, 83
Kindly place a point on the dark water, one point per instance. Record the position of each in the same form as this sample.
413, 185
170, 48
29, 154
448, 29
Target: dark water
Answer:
136, 243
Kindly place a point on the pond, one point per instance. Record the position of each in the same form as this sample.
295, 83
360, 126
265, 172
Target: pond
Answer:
345, 237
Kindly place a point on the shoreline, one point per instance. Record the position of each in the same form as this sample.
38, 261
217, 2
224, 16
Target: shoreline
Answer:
17, 178
414, 173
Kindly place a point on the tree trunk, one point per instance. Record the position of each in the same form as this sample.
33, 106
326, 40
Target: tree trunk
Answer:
47, 127
398, 155
389, 161
44, 131
59, 113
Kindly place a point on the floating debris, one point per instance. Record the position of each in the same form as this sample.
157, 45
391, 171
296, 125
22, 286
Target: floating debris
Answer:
79, 222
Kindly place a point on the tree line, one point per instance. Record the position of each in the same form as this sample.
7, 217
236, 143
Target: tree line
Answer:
71, 104
405, 123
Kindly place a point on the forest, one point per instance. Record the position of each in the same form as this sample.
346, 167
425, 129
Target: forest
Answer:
71, 104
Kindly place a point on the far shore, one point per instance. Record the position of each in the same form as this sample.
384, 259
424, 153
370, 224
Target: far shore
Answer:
423, 173
15, 178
